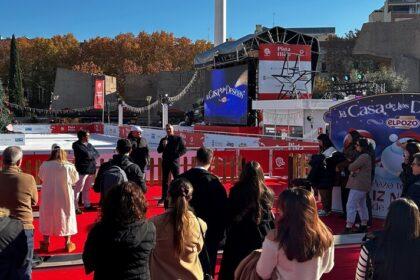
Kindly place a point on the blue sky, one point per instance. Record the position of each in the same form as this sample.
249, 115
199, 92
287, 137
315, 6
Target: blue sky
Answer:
189, 18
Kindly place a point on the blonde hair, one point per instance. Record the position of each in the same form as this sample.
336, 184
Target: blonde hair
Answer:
4, 212
59, 155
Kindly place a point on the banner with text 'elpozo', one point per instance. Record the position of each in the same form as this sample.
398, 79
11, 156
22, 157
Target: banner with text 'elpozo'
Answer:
387, 121
98, 99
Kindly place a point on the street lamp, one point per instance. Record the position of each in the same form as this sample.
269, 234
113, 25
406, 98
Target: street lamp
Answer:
148, 99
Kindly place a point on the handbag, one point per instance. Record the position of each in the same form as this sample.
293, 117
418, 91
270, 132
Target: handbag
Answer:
204, 258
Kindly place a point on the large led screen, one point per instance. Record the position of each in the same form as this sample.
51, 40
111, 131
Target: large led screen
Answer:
226, 101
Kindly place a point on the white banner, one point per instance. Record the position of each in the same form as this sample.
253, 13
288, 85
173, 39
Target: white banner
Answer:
111, 130
32, 128
15, 139
153, 136
228, 141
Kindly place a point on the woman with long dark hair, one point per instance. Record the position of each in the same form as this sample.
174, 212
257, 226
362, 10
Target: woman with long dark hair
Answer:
57, 216
406, 175
394, 253
301, 246
249, 218
179, 237
119, 245
359, 183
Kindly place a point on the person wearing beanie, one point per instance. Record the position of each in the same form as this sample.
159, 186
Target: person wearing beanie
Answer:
140, 149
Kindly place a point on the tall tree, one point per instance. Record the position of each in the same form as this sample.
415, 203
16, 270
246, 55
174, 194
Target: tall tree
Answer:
15, 85
4, 112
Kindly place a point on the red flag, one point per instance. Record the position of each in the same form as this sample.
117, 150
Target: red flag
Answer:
98, 99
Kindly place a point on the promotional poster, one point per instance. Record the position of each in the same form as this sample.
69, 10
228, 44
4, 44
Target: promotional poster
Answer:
226, 101
387, 121
284, 70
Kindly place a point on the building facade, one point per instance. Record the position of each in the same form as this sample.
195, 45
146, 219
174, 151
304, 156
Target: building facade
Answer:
396, 10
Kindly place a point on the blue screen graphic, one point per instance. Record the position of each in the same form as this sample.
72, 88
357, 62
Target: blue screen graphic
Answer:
226, 101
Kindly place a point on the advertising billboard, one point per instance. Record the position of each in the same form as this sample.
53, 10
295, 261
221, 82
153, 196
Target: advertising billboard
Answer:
98, 100
284, 71
226, 101
387, 120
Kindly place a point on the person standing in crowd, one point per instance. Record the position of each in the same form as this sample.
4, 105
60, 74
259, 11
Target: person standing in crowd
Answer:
13, 246
301, 246
179, 237
350, 153
328, 150
394, 253
359, 183
85, 156
209, 201
122, 161
18, 193
57, 216
319, 180
140, 150
249, 218
406, 175
413, 191
171, 147
120, 244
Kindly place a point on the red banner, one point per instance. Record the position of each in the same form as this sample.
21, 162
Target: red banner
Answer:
282, 52
280, 164
261, 156
69, 128
98, 100
192, 139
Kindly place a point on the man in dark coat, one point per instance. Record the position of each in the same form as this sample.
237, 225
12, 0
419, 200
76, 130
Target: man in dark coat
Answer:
13, 247
413, 191
171, 147
122, 160
139, 150
85, 156
209, 201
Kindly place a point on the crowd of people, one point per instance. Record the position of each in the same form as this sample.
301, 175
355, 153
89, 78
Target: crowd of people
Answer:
200, 218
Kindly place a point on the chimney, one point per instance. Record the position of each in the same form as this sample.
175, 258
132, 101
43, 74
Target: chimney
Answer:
219, 22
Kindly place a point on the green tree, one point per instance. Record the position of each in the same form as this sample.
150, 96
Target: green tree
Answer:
15, 85
4, 112
392, 82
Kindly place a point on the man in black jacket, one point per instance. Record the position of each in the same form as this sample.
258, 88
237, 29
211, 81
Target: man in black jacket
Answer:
140, 150
209, 201
122, 160
13, 247
85, 156
172, 148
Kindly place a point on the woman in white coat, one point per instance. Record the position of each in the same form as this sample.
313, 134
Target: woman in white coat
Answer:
57, 216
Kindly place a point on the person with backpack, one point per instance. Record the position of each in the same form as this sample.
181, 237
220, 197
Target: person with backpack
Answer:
119, 169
